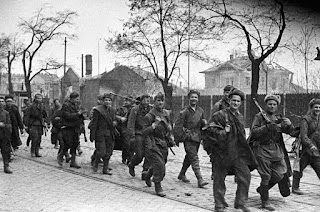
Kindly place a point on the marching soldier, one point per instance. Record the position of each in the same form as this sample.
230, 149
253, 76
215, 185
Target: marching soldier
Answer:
72, 118
5, 134
188, 129
231, 152
16, 122
224, 102
310, 139
124, 112
220, 105
36, 123
135, 125
274, 165
102, 132
99, 102
158, 130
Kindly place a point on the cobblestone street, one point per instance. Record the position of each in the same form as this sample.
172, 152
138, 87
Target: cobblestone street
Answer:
39, 184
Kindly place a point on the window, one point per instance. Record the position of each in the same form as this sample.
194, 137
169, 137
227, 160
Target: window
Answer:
274, 83
248, 81
213, 82
229, 81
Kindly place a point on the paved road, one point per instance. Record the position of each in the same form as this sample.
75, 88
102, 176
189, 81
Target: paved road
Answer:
36, 182
39, 187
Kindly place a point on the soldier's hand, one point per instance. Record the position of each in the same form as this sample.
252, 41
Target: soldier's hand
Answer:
286, 121
1, 124
313, 148
123, 119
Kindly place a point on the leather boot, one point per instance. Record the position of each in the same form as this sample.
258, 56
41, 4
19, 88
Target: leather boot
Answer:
131, 169
201, 182
105, 167
38, 155
264, 194
79, 150
33, 151
243, 208
148, 177
95, 165
68, 157
6, 168
182, 175
159, 190
271, 184
295, 184
60, 158
73, 163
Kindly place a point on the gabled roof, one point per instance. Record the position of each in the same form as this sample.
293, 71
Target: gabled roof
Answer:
239, 63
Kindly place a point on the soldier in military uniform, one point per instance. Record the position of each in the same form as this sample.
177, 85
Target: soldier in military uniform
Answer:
5, 134
157, 131
274, 165
135, 125
36, 118
16, 122
102, 132
72, 118
124, 112
188, 129
224, 102
231, 152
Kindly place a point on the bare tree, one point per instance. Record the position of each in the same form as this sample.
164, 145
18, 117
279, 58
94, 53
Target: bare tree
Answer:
161, 32
41, 29
262, 23
304, 47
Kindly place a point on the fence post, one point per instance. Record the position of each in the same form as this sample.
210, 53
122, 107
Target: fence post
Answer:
245, 109
211, 103
182, 101
284, 104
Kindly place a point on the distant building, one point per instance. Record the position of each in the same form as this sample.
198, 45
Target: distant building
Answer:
237, 72
121, 80
70, 82
46, 84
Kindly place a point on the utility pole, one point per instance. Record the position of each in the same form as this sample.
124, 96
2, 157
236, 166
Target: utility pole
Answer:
189, 49
82, 65
65, 56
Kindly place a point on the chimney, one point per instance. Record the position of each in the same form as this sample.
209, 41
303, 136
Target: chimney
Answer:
231, 56
116, 64
88, 65
138, 66
180, 84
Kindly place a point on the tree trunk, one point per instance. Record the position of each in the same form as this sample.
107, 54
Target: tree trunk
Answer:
168, 94
255, 74
28, 87
10, 87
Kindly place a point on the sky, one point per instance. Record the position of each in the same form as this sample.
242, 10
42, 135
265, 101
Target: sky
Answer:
95, 20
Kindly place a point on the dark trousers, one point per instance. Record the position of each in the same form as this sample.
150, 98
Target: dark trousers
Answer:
306, 160
157, 156
104, 147
15, 138
70, 137
5, 150
35, 133
191, 158
271, 171
139, 153
56, 135
126, 154
242, 173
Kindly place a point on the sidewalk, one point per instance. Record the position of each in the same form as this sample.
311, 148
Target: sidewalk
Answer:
37, 187
189, 194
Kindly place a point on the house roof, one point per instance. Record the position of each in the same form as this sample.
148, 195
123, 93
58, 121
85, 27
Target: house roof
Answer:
240, 63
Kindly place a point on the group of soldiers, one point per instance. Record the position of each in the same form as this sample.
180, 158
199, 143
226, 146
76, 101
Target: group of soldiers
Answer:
147, 133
